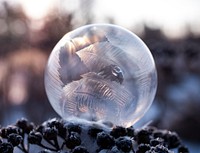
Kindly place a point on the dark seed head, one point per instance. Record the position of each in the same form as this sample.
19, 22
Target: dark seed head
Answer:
142, 148
73, 140
124, 144
143, 136
62, 132
157, 141
130, 132
104, 140
22, 123
51, 123
160, 149
15, 139
118, 131
183, 149
74, 128
6, 147
158, 134
50, 133
172, 140
25, 125
57, 124
34, 137
40, 128
5, 132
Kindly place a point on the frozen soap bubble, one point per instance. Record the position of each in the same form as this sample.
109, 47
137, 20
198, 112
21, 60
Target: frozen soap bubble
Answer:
101, 73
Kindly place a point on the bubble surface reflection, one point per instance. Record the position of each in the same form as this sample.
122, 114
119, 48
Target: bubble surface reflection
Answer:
101, 72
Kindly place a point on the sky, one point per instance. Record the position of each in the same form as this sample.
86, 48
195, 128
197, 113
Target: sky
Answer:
172, 16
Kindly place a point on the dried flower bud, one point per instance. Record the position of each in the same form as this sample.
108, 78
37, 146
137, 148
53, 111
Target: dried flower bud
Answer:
104, 140
73, 140
50, 133
6, 147
34, 137
15, 139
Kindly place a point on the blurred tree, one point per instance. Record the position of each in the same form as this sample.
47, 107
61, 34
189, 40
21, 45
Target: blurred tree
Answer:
15, 25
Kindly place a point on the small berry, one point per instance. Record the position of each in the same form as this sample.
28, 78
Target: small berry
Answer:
157, 141
50, 133
12, 129
118, 131
30, 127
124, 144
104, 140
51, 123
73, 140
143, 136
172, 140
34, 137
160, 149
22, 123
158, 134
74, 128
130, 132
15, 139
183, 149
25, 125
6, 147
40, 128
3, 132
142, 148
62, 130
9, 130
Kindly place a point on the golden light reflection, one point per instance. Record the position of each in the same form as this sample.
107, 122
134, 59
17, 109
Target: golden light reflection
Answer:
22, 65
17, 93
37, 9
87, 40
80, 42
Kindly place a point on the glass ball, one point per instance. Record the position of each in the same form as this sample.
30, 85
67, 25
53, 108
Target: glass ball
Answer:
101, 73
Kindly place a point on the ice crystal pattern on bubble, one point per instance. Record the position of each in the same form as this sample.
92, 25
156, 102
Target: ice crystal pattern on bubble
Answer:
101, 72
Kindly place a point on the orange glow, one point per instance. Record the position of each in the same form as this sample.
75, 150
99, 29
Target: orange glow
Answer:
17, 93
19, 66
37, 9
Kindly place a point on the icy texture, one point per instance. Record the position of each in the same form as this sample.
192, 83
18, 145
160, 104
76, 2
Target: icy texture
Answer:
101, 72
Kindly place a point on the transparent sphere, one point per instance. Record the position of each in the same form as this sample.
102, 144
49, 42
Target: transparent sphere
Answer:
101, 73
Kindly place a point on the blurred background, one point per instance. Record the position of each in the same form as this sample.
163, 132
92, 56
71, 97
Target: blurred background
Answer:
29, 29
